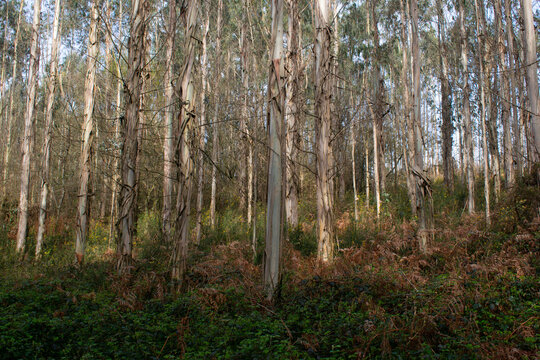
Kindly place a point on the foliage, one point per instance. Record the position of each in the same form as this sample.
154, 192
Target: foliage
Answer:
473, 295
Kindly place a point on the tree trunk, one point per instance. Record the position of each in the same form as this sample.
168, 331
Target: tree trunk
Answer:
505, 96
185, 168
422, 183
215, 126
28, 129
323, 99
202, 129
9, 120
293, 111
532, 77
513, 84
48, 127
247, 160
168, 143
466, 113
409, 121
376, 110
118, 115
446, 101
480, 32
83, 208
353, 155
275, 206
3, 71
130, 126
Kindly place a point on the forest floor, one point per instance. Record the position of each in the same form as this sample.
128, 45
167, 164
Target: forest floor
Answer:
473, 295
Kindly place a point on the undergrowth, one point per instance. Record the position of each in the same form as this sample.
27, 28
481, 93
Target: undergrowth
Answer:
474, 295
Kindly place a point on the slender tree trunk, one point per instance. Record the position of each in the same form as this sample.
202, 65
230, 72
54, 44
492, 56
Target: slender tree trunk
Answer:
247, 160
492, 130
376, 110
168, 143
275, 206
505, 96
422, 183
202, 128
366, 146
466, 113
532, 77
185, 168
293, 111
48, 126
83, 208
107, 160
28, 129
118, 115
480, 31
353, 155
446, 100
409, 120
323, 100
3, 71
130, 126
215, 126
513, 84
9, 121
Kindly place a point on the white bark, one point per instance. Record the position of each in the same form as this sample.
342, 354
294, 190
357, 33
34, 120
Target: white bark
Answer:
215, 126
532, 77
274, 209
323, 99
28, 129
185, 168
51, 87
83, 208
202, 128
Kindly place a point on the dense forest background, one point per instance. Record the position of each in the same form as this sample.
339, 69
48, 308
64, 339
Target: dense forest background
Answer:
269, 179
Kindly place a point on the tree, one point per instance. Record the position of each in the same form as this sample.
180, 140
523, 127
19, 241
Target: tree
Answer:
9, 115
168, 142
51, 88
129, 135
532, 78
293, 111
466, 112
446, 99
480, 28
28, 129
422, 183
202, 127
183, 151
215, 125
83, 208
275, 206
323, 99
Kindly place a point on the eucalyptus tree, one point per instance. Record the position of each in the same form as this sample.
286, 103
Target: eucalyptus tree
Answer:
168, 142
323, 99
46, 151
215, 125
466, 111
29, 120
9, 115
129, 134
183, 150
446, 98
275, 206
532, 77
84, 196
293, 110
480, 30
202, 126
